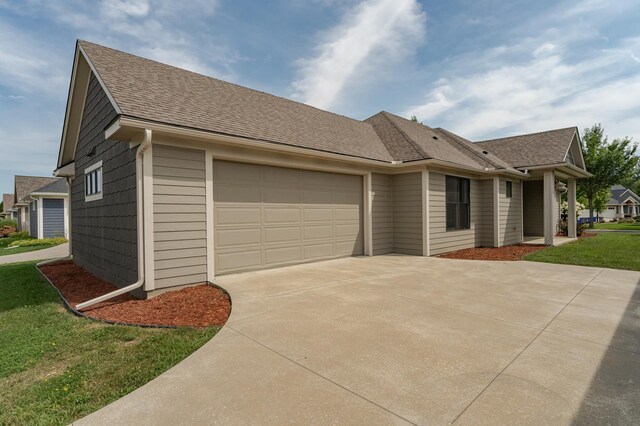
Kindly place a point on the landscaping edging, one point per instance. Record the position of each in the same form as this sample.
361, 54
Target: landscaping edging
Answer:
70, 305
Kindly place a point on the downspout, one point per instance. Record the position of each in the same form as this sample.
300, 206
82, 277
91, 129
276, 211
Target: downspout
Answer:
146, 143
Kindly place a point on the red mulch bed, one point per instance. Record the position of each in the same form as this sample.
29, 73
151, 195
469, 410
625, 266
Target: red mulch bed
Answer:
515, 252
199, 306
511, 253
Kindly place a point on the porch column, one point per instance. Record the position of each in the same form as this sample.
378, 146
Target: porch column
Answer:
571, 200
549, 206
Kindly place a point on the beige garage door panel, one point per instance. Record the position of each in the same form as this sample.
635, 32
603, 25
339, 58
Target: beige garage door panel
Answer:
270, 216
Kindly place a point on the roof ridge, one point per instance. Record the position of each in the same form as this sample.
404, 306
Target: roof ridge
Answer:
413, 144
468, 148
525, 134
226, 82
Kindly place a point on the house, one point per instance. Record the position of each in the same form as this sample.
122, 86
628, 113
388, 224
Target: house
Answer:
7, 207
624, 203
177, 178
41, 205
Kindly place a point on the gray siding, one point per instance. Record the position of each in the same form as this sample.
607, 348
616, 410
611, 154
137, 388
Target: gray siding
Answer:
33, 219
179, 216
104, 238
481, 218
382, 213
532, 200
53, 217
510, 230
407, 213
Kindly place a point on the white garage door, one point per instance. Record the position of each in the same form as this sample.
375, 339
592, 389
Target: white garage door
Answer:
272, 216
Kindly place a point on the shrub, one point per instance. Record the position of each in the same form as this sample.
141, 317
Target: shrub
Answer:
8, 222
626, 220
42, 242
638, 218
563, 228
20, 235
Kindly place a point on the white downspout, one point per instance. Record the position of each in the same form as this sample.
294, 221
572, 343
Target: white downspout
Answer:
146, 143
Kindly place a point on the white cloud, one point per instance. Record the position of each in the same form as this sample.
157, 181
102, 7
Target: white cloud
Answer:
120, 8
375, 28
537, 83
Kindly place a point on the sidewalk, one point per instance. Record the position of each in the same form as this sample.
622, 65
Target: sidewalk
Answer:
49, 253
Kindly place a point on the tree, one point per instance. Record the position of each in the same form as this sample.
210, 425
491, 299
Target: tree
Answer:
611, 163
415, 119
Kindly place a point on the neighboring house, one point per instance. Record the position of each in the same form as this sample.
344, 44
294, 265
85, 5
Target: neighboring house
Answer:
8, 211
178, 177
42, 206
624, 203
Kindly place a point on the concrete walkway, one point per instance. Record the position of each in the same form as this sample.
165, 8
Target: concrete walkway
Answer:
409, 340
61, 250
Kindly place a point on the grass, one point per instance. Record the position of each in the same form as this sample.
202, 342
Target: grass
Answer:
620, 226
56, 367
8, 251
610, 250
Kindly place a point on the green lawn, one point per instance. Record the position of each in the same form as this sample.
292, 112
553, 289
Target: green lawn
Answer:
7, 251
623, 226
56, 367
610, 250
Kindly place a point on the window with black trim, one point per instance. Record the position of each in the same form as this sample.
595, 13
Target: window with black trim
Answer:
458, 206
509, 189
93, 182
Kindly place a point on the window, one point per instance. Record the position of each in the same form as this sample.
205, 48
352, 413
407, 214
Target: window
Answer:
509, 189
457, 203
93, 182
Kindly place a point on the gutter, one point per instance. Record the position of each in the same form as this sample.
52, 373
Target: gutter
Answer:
146, 143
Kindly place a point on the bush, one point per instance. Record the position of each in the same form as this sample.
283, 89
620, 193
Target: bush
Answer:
563, 228
638, 219
42, 242
626, 220
8, 222
20, 235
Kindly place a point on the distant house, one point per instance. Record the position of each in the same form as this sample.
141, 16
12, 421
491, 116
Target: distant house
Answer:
178, 178
42, 206
8, 211
624, 203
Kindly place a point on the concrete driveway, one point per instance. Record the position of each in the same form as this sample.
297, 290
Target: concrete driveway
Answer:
61, 250
401, 340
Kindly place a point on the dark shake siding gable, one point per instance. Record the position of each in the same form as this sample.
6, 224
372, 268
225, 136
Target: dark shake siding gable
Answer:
104, 238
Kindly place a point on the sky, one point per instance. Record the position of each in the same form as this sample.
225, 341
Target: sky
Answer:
480, 68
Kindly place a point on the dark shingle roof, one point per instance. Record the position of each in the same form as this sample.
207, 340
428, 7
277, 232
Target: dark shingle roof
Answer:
619, 194
534, 149
7, 202
153, 91
409, 141
58, 187
25, 185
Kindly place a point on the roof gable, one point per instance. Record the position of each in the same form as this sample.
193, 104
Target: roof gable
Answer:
25, 185
534, 149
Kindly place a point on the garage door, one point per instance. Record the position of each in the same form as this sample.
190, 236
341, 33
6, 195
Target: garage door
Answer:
273, 216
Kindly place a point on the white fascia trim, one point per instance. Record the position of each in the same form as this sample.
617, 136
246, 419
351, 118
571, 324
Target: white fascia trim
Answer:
576, 171
66, 171
49, 194
129, 122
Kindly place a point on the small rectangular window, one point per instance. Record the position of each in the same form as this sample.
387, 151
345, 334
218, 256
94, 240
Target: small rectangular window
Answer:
93, 182
458, 206
509, 189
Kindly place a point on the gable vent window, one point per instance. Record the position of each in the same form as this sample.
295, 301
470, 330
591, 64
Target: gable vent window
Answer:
93, 182
509, 189
458, 208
